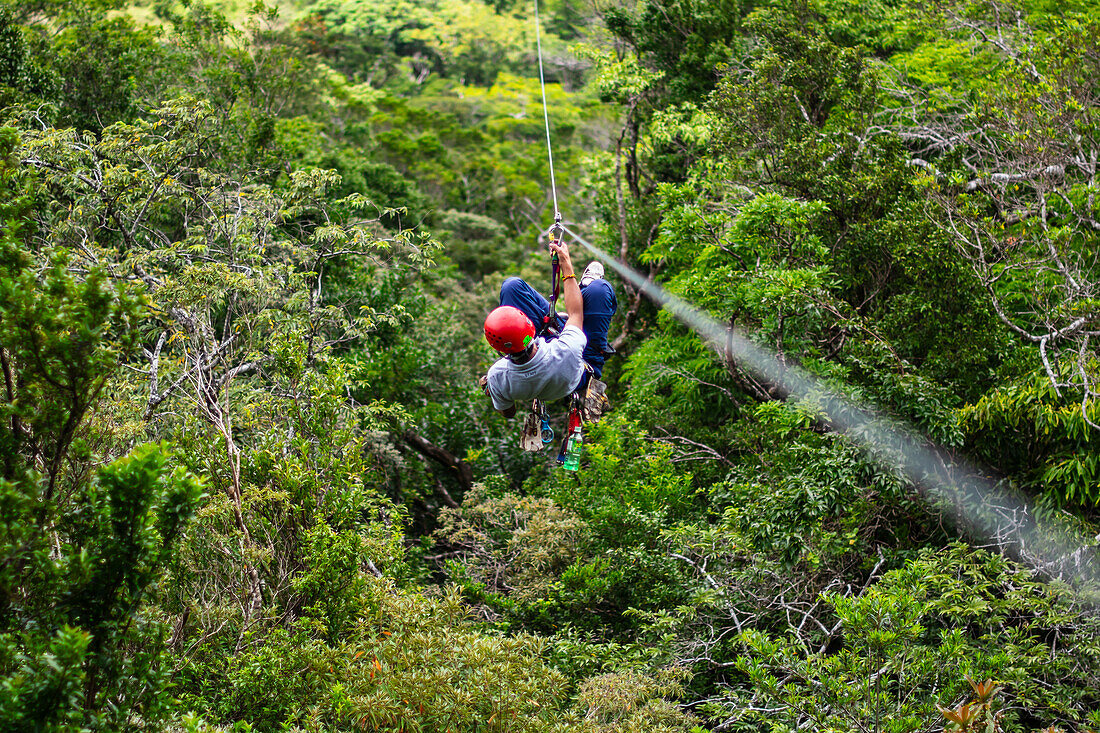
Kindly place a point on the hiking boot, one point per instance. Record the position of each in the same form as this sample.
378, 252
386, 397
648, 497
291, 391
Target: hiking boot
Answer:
594, 271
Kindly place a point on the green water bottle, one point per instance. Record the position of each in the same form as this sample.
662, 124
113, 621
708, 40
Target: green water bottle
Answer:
573, 452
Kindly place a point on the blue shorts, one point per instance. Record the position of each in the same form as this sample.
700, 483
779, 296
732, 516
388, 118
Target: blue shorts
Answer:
600, 305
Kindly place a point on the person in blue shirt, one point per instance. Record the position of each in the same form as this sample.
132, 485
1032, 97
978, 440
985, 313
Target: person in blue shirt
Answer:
540, 357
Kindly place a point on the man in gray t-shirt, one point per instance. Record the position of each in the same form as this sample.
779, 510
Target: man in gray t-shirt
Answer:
536, 368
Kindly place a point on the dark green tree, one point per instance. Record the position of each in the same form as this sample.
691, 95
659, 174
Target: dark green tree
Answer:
81, 548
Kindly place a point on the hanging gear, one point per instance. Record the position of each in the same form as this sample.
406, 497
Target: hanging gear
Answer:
571, 461
595, 401
570, 454
536, 433
508, 330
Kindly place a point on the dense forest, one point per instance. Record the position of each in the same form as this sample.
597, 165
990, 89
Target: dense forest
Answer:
249, 482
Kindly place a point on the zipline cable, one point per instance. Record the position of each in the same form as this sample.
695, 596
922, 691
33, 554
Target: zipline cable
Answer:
556, 230
546, 116
1006, 519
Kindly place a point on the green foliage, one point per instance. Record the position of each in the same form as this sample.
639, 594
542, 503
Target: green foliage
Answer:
582, 556
465, 40
76, 65
258, 80
1059, 463
628, 492
238, 218
472, 42
947, 67
800, 221
918, 634
61, 338
625, 472
482, 151
82, 549
1034, 116
65, 346
876, 26
102, 67
513, 544
80, 648
807, 498
42, 685
409, 662
626, 702
687, 38
22, 76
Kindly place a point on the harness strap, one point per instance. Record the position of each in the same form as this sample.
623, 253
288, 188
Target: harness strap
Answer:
578, 392
556, 232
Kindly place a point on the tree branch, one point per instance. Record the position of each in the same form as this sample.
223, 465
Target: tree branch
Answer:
463, 472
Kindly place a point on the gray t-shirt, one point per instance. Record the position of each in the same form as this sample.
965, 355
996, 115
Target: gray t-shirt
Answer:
552, 373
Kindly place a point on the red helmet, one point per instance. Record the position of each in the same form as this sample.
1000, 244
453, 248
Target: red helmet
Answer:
508, 330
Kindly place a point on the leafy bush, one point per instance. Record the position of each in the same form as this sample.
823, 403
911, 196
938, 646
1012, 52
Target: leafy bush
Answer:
513, 545
913, 639
80, 647
409, 662
629, 702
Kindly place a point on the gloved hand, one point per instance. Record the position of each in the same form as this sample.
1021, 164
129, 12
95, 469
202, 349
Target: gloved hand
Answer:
483, 382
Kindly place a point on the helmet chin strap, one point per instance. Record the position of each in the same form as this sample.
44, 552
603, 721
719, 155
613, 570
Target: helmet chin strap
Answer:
522, 357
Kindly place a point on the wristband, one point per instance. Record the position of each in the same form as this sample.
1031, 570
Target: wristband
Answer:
566, 277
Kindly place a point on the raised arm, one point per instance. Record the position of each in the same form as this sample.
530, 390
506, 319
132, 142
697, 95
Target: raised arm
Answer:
571, 291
